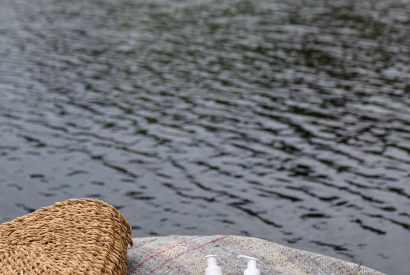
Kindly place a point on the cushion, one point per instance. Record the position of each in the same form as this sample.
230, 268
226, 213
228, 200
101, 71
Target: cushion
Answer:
186, 255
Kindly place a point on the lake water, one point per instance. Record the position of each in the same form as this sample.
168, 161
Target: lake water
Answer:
282, 119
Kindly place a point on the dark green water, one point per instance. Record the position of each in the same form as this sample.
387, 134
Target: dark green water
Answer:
286, 120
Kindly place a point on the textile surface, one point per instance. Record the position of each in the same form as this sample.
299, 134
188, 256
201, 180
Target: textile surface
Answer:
186, 255
78, 236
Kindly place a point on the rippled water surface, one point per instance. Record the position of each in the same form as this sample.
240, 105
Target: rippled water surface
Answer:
282, 119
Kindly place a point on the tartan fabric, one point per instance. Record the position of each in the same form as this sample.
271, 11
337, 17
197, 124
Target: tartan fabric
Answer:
186, 255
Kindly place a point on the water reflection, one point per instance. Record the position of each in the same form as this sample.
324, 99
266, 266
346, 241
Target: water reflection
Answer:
287, 120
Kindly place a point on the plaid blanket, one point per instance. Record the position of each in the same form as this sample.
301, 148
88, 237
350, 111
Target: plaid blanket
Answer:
186, 255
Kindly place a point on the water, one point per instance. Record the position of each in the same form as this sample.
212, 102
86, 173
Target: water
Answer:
282, 119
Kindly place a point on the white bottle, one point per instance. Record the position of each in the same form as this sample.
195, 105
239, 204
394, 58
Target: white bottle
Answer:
251, 269
213, 268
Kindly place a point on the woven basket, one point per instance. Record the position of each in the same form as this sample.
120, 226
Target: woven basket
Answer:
77, 236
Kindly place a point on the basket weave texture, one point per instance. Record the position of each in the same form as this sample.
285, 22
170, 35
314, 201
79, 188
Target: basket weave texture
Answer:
77, 236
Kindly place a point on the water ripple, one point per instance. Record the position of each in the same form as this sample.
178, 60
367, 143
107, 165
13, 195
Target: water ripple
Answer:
287, 120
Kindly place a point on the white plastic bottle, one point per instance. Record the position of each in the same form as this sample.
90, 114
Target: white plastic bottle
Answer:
251, 268
213, 268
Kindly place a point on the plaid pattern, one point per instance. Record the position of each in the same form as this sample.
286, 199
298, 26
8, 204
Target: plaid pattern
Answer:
186, 255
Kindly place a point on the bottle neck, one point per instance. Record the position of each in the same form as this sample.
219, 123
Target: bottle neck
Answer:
211, 261
252, 264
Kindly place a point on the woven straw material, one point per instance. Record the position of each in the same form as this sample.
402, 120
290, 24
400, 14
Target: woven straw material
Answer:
186, 255
77, 236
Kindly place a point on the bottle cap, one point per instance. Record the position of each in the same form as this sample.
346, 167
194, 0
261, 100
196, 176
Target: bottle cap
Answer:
251, 268
213, 268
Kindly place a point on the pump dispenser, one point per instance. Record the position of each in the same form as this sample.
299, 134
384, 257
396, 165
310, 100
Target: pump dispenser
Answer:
213, 268
251, 269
